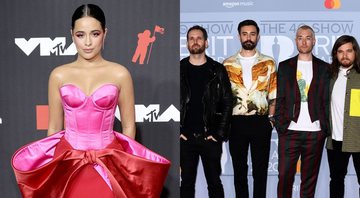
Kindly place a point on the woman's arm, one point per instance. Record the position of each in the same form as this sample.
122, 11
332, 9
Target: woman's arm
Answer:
56, 114
126, 104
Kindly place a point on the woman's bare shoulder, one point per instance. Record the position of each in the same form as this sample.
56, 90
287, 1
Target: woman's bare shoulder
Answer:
118, 69
60, 71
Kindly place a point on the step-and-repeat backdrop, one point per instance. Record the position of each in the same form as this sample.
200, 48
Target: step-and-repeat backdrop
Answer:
35, 38
278, 21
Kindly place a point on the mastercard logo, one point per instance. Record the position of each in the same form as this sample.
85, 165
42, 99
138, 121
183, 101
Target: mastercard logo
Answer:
332, 4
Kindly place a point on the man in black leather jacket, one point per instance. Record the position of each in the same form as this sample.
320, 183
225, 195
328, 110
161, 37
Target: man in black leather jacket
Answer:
206, 107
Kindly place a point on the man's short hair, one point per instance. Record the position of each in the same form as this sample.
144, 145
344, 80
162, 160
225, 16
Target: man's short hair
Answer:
306, 27
197, 27
247, 23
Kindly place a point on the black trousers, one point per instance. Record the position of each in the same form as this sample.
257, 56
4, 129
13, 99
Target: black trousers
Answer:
210, 152
338, 165
306, 145
254, 131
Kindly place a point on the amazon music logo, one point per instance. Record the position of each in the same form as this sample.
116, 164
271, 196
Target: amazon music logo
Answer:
233, 4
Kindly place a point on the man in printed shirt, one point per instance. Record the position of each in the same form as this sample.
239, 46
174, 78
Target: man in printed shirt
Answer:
301, 115
253, 82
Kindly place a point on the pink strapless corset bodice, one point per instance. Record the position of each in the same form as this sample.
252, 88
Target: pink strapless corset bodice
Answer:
89, 119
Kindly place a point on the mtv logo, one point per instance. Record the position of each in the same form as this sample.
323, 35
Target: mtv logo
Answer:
48, 46
151, 113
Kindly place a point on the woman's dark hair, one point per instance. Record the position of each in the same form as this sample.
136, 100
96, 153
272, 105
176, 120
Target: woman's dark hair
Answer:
334, 67
90, 10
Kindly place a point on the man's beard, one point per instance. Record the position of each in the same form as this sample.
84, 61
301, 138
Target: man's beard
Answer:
248, 45
305, 51
346, 64
198, 50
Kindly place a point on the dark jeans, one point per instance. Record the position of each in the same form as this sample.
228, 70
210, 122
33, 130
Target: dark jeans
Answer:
338, 164
253, 131
210, 153
309, 147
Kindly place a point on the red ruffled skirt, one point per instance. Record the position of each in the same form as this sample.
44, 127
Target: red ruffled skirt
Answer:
50, 167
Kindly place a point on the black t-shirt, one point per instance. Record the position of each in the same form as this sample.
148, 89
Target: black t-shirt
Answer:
194, 121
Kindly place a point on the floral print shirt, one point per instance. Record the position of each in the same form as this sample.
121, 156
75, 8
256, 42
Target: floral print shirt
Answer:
255, 100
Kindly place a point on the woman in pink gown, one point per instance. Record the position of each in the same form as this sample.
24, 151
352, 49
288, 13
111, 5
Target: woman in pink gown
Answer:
87, 158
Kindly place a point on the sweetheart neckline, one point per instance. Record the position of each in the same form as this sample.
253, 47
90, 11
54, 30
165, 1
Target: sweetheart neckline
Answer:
93, 92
